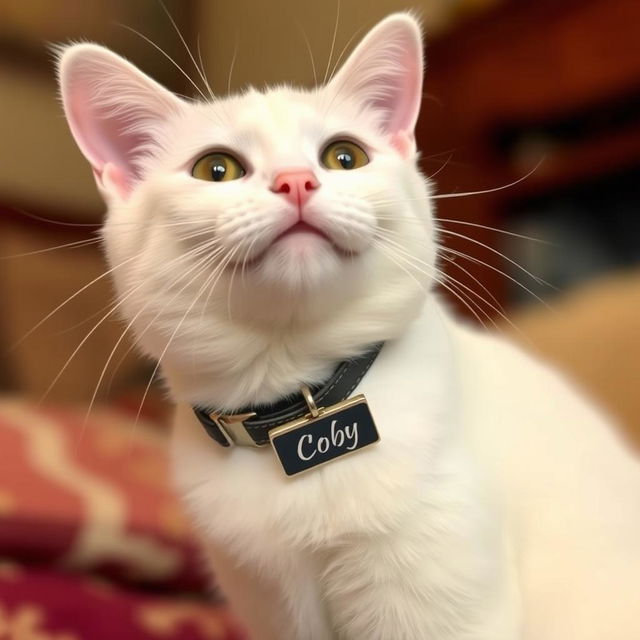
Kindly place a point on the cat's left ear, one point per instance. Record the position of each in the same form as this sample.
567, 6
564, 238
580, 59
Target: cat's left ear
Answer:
385, 72
114, 111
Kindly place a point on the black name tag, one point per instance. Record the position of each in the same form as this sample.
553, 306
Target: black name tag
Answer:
337, 431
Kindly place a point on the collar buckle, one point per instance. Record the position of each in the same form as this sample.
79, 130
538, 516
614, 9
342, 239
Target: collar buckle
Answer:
234, 430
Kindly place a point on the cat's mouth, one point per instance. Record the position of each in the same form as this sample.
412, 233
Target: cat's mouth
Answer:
299, 229
304, 227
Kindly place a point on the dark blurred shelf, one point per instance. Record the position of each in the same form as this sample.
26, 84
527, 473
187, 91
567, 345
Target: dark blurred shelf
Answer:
525, 58
563, 168
525, 81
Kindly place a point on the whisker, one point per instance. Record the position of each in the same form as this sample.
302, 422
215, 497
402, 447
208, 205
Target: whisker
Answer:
308, 45
340, 93
69, 299
90, 317
441, 274
175, 331
232, 65
60, 223
166, 55
114, 308
344, 50
177, 30
412, 259
195, 234
438, 280
69, 245
452, 221
204, 248
452, 285
333, 43
442, 196
383, 249
435, 156
497, 309
454, 263
443, 167
466, 256
500, 311
98, 225
206, 302
445, 285
206, 80
215, 253
495, 229
467, 303
229, 289
201, 265
199, 249
498, 253
397, 243
517, 282
247, 254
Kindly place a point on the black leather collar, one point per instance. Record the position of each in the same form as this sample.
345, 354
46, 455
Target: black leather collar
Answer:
258, 421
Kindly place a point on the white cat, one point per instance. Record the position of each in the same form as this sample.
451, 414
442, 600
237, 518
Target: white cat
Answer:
259, 240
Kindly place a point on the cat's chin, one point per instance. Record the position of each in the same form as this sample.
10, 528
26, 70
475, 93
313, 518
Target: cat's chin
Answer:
301, 261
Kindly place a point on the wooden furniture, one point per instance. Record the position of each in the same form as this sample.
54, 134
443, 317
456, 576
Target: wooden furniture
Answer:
557, 82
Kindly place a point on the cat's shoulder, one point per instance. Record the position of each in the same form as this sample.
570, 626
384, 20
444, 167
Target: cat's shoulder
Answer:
530, 418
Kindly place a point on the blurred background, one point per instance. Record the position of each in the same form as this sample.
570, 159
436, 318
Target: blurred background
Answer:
543, 92
534, 102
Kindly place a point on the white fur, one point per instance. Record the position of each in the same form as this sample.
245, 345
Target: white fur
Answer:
497, 506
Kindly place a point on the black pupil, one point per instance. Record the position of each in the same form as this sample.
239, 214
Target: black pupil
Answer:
218, 170
345, 159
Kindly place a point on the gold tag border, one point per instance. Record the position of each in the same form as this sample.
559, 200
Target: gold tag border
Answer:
309, 419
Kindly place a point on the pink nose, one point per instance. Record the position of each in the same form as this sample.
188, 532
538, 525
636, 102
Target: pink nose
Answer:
296, 185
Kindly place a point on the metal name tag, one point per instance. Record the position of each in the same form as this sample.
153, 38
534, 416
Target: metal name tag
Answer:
324, 434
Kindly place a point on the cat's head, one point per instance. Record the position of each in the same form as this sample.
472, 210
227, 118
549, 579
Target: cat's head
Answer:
277, 206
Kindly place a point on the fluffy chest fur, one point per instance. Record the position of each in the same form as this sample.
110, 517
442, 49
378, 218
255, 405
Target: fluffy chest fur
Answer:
417, 488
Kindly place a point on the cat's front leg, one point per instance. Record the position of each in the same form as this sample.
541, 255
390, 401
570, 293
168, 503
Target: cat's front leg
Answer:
275, 601
426, 581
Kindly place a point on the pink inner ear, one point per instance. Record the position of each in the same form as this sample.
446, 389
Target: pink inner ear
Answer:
403, 142
402, 99
385, 72
102, 134
115, 179
114, 110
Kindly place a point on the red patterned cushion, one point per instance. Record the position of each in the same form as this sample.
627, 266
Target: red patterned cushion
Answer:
48, 605
92, 496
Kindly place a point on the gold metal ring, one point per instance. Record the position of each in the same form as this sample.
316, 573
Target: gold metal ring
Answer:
308, 398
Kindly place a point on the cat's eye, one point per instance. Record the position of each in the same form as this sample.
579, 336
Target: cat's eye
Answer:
344, 155
218, 167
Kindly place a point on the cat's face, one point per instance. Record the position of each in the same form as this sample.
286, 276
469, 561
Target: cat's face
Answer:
285, 184
263, 203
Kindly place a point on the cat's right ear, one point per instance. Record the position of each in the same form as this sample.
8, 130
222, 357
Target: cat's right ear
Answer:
384, 73
113, 110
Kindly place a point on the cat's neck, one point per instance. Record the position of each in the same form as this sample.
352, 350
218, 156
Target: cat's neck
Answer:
247, 363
